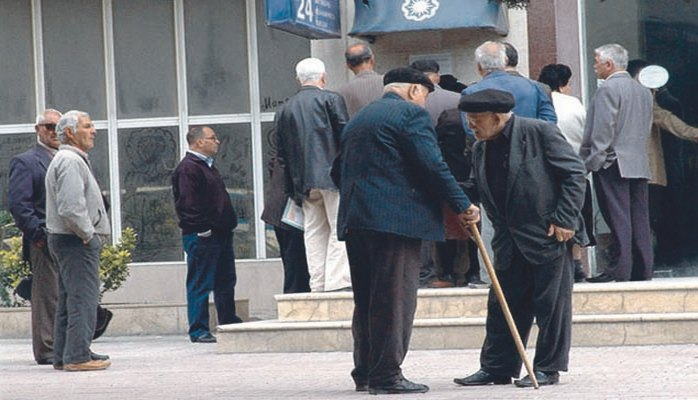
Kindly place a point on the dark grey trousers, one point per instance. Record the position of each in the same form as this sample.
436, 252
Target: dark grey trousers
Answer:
78, 296
43, 301
540, 291
384, 278
624, 205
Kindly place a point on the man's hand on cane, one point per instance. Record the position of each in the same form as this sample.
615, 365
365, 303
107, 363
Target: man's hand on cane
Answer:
470, 216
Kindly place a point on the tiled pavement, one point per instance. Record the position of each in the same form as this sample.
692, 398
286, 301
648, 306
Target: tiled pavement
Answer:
169, 367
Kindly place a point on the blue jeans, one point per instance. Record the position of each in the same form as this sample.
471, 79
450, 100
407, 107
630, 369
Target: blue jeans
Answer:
210, 267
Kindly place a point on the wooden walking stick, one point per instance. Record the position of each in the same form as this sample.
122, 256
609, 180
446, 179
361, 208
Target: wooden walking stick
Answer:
503, 302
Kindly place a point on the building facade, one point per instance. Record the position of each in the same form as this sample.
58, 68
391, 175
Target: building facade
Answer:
147, 69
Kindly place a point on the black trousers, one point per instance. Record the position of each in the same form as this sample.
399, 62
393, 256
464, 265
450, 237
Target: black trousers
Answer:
624, 205
540, 291
384, 277
292, 248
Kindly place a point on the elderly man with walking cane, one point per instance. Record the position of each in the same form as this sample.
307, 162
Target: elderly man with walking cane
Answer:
531, 184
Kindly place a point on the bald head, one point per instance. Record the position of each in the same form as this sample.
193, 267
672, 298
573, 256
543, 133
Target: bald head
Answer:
359, 57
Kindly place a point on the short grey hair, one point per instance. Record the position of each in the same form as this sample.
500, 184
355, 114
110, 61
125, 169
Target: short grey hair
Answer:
395, 85
615, 53
491, 56
310, 69
69, 120
41, 118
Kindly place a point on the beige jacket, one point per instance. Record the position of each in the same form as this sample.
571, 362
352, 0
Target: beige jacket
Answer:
665, 120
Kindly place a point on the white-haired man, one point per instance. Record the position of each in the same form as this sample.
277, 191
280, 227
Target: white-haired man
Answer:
614, 149
308, 131
75, 219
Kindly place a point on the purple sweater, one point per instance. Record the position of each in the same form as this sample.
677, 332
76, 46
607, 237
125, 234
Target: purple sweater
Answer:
201, 201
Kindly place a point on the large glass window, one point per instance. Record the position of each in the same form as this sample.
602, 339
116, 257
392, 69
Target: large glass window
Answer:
147, 158
269, 151
279, 52
144, 51
99, 159
234, 162
16, 63
663, 33
73, 67
217, 74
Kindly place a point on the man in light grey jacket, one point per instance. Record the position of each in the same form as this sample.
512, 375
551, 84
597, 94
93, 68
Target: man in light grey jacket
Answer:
614, 149
77, 221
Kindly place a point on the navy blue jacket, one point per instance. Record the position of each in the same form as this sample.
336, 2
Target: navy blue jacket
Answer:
201, 200
530, 100
27, 194
392, 177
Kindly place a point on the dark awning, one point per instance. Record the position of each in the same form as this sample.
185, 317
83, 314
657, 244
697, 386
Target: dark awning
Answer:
375, 17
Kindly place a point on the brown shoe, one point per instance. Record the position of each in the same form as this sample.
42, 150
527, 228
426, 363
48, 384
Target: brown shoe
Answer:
440, 284
92, 365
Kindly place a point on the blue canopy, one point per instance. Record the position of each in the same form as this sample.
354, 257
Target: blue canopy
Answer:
374, 17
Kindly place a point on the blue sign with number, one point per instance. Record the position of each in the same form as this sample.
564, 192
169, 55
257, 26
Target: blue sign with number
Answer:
313, 19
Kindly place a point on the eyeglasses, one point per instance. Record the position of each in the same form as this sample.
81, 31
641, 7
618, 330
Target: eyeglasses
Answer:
50, 127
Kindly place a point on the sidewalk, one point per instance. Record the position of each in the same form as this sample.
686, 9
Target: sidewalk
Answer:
169, 367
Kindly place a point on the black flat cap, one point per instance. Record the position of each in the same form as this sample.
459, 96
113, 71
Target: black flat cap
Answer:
488, 100
407, 75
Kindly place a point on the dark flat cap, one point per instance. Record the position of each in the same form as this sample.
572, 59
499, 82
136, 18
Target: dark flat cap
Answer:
488, 100
407, 75
426, 66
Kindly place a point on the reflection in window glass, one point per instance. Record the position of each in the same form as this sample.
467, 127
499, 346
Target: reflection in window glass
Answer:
71, 83
665, 35
234, 162
268, 151
10, 146
99, 159
147, 158
16, 63
144, 52
217, 79
279, 52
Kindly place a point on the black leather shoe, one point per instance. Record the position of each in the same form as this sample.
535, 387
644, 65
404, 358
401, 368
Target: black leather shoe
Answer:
399, 387
205, 338
100, 357
481, 378
45, 361
543, 378
362, 387
603, 277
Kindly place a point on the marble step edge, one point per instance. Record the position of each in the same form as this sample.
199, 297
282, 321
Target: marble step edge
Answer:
673, 284
274, 325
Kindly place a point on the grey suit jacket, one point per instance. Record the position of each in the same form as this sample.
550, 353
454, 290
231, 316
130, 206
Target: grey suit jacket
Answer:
545, 185
366, 87
439, 101
618, 127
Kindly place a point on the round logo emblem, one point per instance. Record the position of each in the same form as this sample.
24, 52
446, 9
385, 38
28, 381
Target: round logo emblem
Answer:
419, 10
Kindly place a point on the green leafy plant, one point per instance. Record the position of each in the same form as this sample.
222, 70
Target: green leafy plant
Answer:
113, 266
12, 270
114, 260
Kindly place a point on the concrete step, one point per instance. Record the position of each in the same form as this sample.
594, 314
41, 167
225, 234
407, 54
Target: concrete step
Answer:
129, 319
674, 295
455, 333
